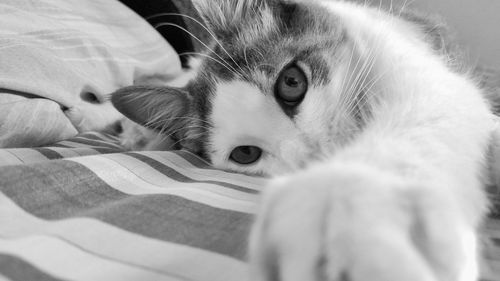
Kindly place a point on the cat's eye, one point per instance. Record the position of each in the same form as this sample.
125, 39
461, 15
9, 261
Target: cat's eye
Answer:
245, 155
291, 86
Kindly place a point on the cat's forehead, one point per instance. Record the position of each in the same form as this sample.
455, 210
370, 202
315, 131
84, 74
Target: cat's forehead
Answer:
259, 48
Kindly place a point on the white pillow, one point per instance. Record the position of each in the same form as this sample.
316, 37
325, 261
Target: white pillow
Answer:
72, 54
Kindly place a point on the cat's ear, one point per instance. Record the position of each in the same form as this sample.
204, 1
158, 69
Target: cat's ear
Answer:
160, 108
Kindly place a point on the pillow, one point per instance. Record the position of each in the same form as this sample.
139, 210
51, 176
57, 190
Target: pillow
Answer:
60, 60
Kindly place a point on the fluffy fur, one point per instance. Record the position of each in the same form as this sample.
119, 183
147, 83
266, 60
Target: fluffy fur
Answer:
377, 173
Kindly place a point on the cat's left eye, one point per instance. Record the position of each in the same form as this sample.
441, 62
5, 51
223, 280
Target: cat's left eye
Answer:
291, 86
245, 155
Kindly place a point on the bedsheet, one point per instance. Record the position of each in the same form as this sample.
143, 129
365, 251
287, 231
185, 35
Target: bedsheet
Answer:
84, 209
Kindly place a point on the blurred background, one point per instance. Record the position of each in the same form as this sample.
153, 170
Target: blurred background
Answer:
475, 22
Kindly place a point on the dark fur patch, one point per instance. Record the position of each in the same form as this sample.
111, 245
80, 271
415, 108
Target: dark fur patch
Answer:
249, 49
201, 90
152, 107
178, 113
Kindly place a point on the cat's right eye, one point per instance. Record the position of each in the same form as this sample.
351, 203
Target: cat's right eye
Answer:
245, 155
291, 86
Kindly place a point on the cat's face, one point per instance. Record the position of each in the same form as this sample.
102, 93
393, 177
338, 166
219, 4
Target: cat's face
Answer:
274, 94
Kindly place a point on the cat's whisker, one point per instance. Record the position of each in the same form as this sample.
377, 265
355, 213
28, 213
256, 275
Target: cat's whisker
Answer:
164, 131
203, 26
264, 64
367, 69
366, 96
201, 55
363, 72
194, 136
354, 83
209, 57
350, 95
165, 123
362, 92
245, 55
343, 83
366, 93
404, 6
371, 83
191, 126
157, 120
366, 87
197, 39
165, 126
260, 53
162, 138
361, 95
165, 135
346, 93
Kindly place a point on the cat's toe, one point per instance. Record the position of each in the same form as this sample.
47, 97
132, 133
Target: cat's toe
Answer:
286, 241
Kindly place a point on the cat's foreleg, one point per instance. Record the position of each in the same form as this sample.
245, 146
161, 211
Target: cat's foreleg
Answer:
347, 219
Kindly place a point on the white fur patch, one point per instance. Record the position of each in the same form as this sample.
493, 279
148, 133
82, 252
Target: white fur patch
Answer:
428, 131
243, 115
471, 268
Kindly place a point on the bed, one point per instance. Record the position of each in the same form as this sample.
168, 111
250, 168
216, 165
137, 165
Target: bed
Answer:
76, 205
84, 209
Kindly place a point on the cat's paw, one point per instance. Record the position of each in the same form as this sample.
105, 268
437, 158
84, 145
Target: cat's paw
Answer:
350, 223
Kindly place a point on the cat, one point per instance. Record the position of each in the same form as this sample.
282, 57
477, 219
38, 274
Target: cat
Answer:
375, 142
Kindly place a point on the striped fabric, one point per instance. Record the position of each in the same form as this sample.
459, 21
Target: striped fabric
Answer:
60, 59
104, 214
